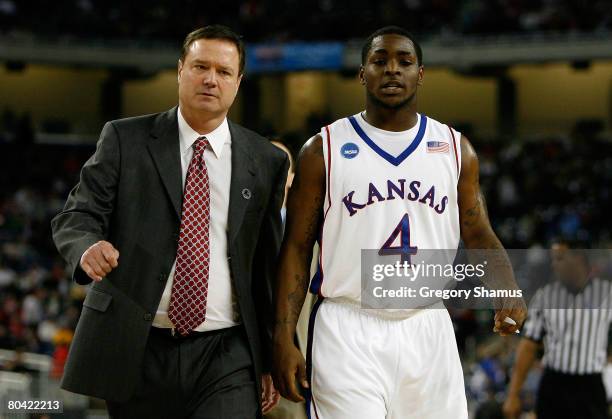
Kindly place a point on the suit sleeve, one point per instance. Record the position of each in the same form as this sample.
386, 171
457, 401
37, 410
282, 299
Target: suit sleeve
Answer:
266, 261
86, 215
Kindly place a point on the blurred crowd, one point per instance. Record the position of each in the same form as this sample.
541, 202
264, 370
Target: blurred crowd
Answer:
537, 190
270, 20
39, 307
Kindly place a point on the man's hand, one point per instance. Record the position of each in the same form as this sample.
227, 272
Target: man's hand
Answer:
516, 310
269, 394
289, 369
99, 259
512, 407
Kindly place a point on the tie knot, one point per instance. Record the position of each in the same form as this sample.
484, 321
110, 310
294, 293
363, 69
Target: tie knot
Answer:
200, 145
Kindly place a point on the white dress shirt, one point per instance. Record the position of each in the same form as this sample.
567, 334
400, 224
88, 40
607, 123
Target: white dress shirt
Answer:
221, 306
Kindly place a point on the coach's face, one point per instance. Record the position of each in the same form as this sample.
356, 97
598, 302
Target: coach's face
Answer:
209, 77
391, 72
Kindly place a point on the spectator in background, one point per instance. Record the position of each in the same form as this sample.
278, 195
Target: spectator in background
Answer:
32, 307
61, 341
290, 175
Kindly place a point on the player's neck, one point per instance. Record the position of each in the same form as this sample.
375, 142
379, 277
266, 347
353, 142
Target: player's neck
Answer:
391, 119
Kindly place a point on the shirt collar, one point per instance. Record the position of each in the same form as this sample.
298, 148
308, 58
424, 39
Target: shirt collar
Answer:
216, 138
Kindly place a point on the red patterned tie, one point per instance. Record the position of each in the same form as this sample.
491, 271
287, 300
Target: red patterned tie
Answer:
190, 287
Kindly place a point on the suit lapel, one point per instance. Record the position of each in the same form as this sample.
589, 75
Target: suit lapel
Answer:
165, 150
241, 184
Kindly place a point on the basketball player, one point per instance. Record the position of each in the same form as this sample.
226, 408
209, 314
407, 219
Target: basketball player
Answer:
383, 174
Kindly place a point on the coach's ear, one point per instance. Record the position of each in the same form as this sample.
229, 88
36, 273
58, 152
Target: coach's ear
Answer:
179, 69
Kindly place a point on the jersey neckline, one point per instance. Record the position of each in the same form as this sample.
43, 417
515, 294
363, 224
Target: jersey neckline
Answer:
396, 161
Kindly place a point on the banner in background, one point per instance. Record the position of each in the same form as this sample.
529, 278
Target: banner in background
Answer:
294, 56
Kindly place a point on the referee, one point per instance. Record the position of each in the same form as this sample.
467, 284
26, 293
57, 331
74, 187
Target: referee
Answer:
570, 318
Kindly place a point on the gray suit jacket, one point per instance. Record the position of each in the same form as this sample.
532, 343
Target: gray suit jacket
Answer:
130, 194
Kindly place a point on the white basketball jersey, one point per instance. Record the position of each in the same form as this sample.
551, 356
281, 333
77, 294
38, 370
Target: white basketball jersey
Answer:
391, 191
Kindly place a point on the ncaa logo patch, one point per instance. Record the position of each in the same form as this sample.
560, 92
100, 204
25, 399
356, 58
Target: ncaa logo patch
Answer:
349, 150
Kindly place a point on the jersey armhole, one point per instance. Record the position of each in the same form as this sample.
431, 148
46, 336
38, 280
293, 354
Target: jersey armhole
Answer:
327, 154
456, 139
327, 157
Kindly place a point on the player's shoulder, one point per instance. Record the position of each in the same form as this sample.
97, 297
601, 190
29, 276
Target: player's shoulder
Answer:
314, 145
344, 122
447, 132
336, 132
433, 123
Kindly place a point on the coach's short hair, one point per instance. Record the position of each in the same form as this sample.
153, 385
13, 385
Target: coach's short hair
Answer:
390, 30
215, 32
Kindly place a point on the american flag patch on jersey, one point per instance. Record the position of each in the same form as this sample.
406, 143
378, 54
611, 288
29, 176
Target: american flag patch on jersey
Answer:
437, 147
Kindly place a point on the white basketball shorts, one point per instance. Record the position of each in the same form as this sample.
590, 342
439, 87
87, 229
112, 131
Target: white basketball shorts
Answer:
362, 365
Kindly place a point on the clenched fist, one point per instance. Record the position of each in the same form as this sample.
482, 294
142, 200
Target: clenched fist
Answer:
99, 259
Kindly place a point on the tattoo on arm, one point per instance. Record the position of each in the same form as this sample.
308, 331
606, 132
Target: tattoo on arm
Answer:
314, 221
472, 215
304, 216
296, 297
476, 229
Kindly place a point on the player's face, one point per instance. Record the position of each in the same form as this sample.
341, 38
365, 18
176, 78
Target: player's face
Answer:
208, 77
391, 72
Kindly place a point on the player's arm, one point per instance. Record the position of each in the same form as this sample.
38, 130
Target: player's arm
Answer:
304, 213
525, 355
477, 233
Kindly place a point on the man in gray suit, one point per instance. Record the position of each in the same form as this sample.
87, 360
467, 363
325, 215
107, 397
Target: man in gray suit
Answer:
176, 220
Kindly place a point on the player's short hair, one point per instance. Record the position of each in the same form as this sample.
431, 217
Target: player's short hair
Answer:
390, 30
215, 32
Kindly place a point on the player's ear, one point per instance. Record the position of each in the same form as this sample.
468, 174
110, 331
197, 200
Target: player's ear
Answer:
420, 78
362, 79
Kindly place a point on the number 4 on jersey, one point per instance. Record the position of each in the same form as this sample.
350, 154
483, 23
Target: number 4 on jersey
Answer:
404, 249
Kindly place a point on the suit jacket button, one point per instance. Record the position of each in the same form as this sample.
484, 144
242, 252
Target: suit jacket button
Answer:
147, 317
162, 277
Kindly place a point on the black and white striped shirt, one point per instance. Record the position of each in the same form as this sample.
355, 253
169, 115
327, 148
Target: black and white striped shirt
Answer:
573, 327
